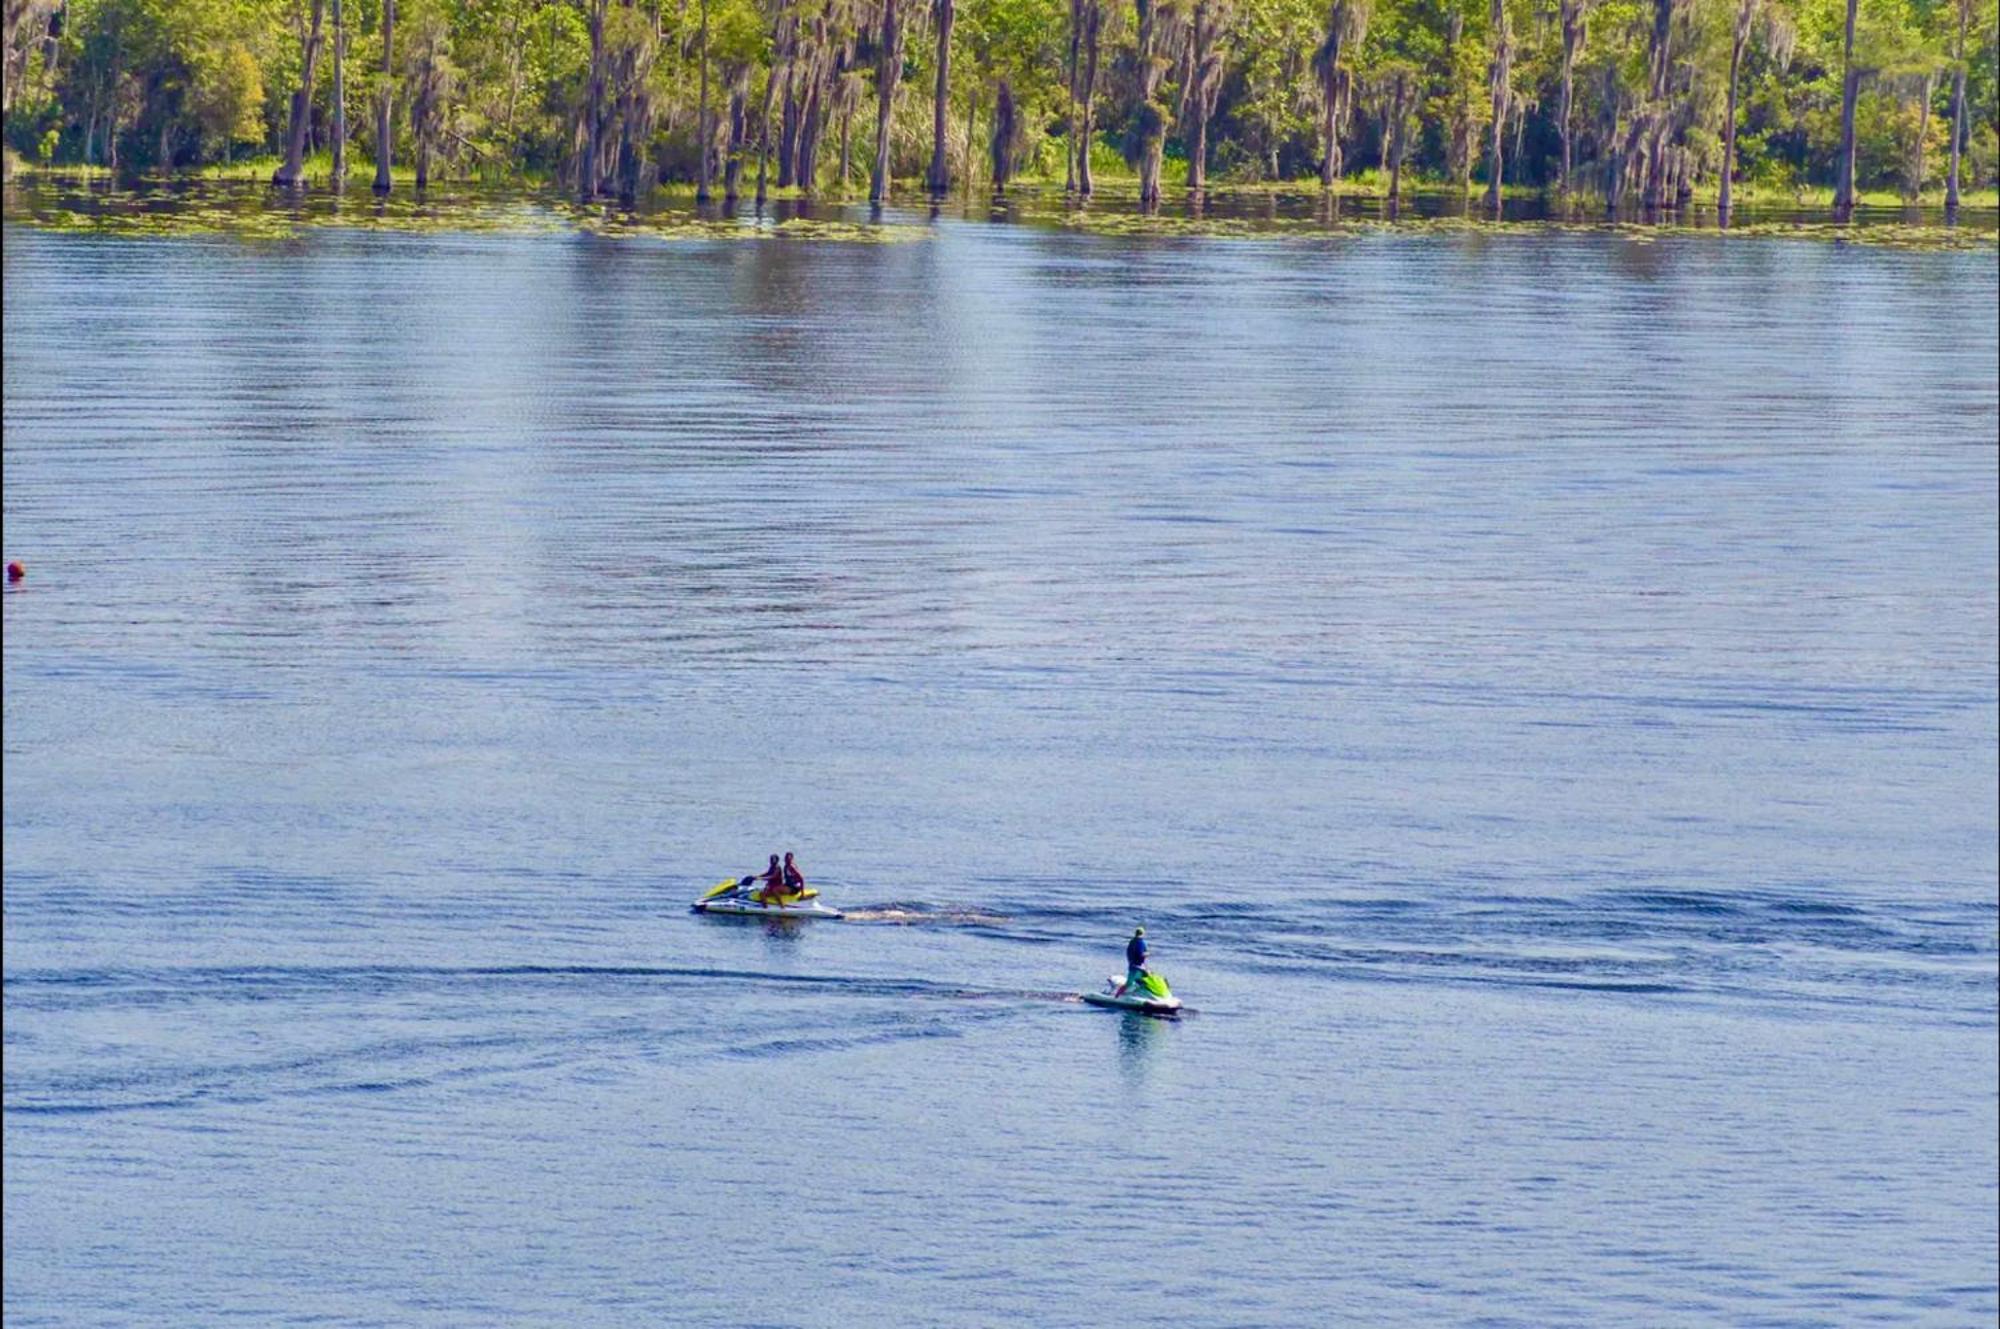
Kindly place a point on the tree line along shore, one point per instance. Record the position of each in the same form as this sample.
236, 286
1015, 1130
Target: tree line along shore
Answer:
1646, 103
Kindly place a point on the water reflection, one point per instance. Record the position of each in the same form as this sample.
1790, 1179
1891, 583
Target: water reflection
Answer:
782, 934
1139, 1040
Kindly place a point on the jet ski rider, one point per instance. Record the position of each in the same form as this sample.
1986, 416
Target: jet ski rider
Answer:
1135, 958
772, 884
795, 880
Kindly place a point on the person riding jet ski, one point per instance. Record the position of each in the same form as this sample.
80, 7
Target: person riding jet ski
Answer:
771, 884
1135, 960
1141, 989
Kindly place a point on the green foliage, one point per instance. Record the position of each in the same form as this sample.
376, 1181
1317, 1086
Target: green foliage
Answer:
502, 85
226, 93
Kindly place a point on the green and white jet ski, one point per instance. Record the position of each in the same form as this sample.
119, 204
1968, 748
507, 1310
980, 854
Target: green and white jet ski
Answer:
740, 897
1149, 996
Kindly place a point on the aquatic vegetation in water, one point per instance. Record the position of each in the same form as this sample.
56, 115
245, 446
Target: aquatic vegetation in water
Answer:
1892, 235
251, 213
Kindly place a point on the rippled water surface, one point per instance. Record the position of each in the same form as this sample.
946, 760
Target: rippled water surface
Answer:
1537, 691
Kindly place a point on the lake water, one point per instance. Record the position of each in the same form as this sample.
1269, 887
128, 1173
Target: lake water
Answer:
1536, 689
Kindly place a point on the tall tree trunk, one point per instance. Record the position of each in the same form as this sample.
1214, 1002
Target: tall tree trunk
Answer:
1503, 55
1069, 85
1201, 37
514, 42
1917, 171
1661, 63
703, 135
1003, 135
739, 115
846, 140
1400, 97
1151, 115
424, 108
1329, 126
1741, 38
339, 98
971, 139
788, 125
939, 178
12, 15
1458, 151
593, 110
764, 134
1198, 145
384, 108
888, 68
1957, 108
1092, 29
1328, 61
294, 169
637, 124
1850, 93
806, 171
1572, 37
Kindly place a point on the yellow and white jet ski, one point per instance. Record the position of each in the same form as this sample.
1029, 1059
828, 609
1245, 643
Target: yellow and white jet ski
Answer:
742, 897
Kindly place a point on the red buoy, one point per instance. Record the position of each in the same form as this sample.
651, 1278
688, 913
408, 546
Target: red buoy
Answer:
15, 571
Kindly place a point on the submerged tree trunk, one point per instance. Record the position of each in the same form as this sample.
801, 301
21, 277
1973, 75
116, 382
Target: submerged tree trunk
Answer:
1957, 108
846, 142
1850, 93
1071, 71
1150, 115
889, 66
1572, 38
1741, 38
1329, 129
1092, 27
1198, 98
1915, 187
294, 169
429, 88
593, 110
1327, 66
971, 140
339, 98
636, 126
1003, 136
1458, 152
788, 125
939, 178
739, 115
1503, 55
704, 137
806, 171
1399, 97
791, 112
764, 134
1660, 60
384, 109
